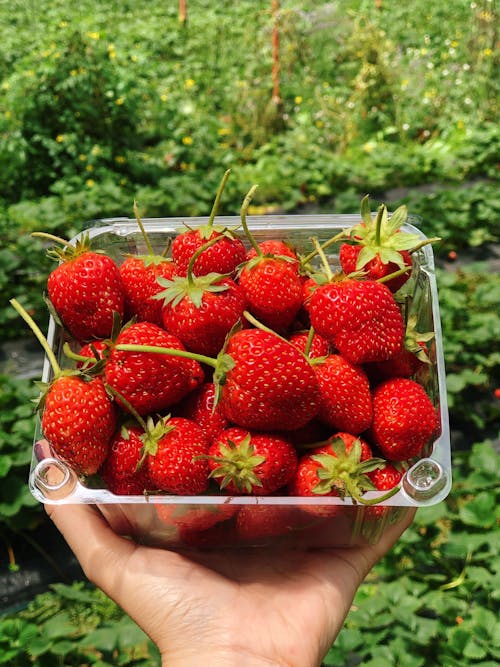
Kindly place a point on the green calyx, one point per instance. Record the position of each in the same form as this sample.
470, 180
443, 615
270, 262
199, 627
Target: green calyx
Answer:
192, 287
414, 339
237, 464
343, 471
67, 251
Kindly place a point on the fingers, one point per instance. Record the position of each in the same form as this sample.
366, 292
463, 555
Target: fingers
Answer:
101, 553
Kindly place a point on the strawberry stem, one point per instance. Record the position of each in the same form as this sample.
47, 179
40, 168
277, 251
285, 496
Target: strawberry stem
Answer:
243, 215
324, 261
130, 408
38, 333
425, 242
395, 274
173, 352
309, 341
194, 257
378, 223
218, 196
68, 352
338, 237
379, 499
51, 237
143, 231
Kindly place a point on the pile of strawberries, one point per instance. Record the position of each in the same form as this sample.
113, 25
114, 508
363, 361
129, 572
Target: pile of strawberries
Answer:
236, 367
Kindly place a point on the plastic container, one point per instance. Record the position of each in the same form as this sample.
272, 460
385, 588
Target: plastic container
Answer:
170, 521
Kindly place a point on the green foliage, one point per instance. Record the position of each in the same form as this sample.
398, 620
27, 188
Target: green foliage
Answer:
71, 626
432, 600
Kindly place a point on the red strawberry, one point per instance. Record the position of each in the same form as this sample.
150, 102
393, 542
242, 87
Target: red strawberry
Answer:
346, 402
195, 517
78, 420
408, 361
272, 285
404, 419
120, 470
383, 479
220, 257
273, 248
245, 462
316, 346
338, 468
361, 318
150, 382
97, 349
380, 247
139, 276
176, 457
201, 311
85, 290
255, 522
200, 406
270, 385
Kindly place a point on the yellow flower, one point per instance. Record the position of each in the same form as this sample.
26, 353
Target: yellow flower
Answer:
89, 167
460, 124
94, 35
404, 84
134, 58
96, 150
119, 101
120, 159
183, 166
187, 141
164, 97
298, 99
319, 124
369, 146
74, 72
82, 157
454, 44
8, 114
224, 131
487, 52
90, 182
60, 138
5, 85
189, 83
63, 24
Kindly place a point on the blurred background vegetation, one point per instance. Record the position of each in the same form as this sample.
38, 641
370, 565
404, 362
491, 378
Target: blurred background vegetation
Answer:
319, 103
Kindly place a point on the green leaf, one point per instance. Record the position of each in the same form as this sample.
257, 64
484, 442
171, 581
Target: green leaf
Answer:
480, 511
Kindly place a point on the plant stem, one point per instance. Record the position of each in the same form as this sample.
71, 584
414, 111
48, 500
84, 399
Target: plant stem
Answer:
173, 352
51, 237
143, 231
38, 333
218, 196
243, 214
324, 261
378, 223
338, 237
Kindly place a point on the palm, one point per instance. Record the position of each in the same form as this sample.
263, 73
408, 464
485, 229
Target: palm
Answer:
274, 608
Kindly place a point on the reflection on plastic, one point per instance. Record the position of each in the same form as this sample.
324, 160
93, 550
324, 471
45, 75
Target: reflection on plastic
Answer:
425, 480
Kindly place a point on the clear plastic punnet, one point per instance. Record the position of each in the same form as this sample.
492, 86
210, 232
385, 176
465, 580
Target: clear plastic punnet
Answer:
171, 521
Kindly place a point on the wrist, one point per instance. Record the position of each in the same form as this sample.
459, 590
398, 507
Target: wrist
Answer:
218, 658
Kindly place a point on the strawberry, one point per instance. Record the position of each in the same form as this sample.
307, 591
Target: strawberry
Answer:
247, 462
176, 450
379, 247
97, 349
148, 381
359, 317
271, 283
404, 419
255, 522
222, 257
195, 517
273, 248
338, 468
200, 406
202, 310
312, 346
270, 385
79, 421
412, 357
121, 471
346, 403
139, 276
383, 479
85, 289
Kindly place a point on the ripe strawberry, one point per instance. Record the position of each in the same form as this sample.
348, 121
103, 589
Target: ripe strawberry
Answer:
150, 382
256, 522
274, 248
361, 318
270, 385
380, 247
313, 348
195, 517
202, 310
247, 462
199, 406
221, 257
176, 461
120, 471
78, 420
338, 468
97, 349
383, 479
404, 419
139, 276
346, 402
86, 290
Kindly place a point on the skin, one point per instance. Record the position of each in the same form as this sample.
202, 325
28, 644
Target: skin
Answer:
251, 609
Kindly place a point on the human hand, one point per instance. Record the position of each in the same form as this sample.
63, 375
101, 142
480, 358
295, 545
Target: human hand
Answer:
225, 609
